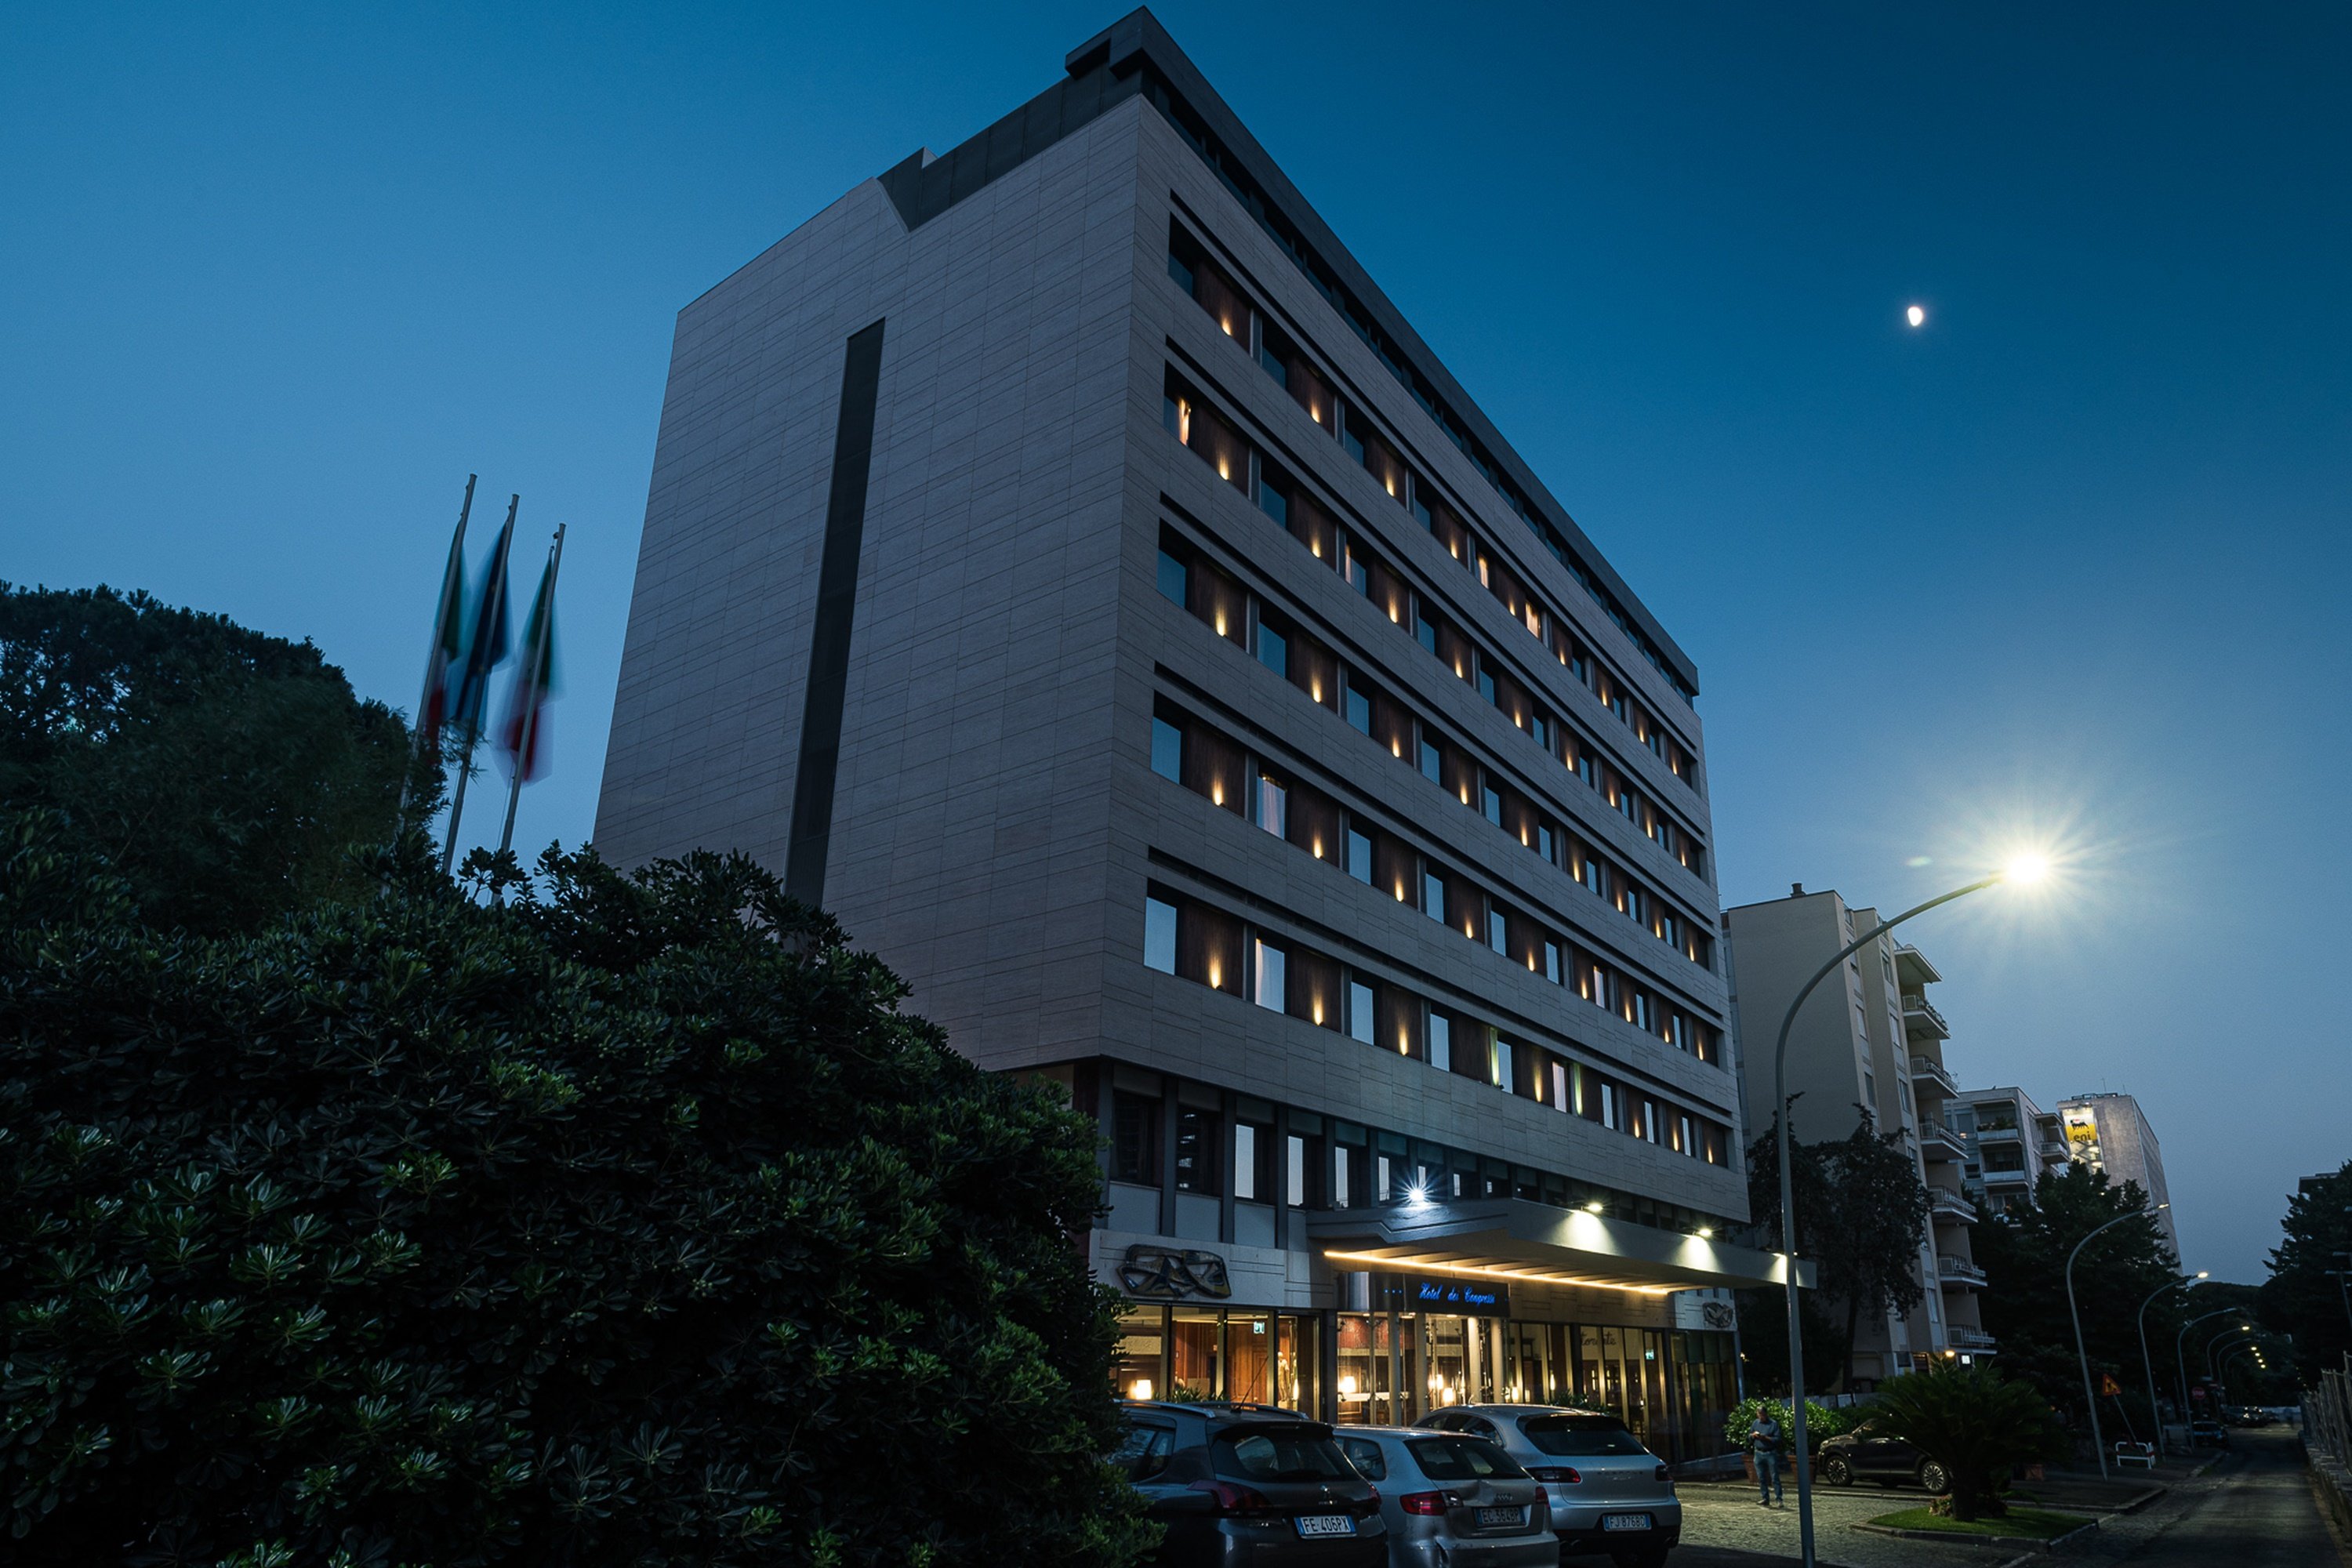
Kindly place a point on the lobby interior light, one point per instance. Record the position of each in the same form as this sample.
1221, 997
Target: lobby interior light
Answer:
1139, 1390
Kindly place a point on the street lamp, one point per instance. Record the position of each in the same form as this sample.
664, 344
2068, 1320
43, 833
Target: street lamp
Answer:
2181, 1354
2212, 1371
2090, 1396
2156, 1412
2020, 869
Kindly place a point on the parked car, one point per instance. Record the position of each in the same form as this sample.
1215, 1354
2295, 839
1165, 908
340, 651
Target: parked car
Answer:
2207, 1433
1249, 1486
1451, 1499
1871, 1453
1607, 1493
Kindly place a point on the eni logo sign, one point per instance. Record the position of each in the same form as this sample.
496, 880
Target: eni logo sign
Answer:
1149, 1273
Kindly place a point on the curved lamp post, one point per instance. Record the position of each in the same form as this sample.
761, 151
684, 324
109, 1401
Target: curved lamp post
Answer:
2213, 1368
2024, 869
2180, 1354
2090, 1395
2156, 1411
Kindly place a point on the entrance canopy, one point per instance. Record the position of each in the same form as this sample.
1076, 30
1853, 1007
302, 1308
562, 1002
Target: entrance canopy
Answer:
1514, 1239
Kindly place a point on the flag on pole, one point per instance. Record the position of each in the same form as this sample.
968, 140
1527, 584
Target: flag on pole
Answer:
522, 737
449, 639
486, 648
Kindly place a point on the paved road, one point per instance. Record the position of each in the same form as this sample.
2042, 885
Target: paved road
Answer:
2251, 1510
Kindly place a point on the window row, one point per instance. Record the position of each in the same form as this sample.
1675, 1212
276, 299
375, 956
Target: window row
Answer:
1282, 358
1187, 752
1291, 652
1240, 462
1200, 942
1308, 1160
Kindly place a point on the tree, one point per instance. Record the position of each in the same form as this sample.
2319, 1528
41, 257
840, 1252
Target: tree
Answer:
2024, 1254
1862, 1215
631, 1222
2302, 1295
223, 772
1976, 1422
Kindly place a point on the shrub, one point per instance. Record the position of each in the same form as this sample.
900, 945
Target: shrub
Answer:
1977, 1422
631, 1225
1822, 1422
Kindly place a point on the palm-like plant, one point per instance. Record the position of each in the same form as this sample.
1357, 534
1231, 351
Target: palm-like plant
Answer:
1974, 1421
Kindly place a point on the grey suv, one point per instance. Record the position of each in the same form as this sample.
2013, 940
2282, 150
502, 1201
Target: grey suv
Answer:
1607, 1493
1453, 1501
1249, 1486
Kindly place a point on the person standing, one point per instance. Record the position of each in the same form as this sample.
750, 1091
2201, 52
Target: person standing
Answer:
1764, 1442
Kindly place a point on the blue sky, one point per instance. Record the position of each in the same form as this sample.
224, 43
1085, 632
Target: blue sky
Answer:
2069, 562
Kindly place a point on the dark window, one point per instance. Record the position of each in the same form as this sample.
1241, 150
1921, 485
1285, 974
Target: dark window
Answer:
1173, 585
1578, 1436
1167, 751
1196, 1150
1270, 1451
1461, 1460
1360, 856
1135, 1140
1273, 649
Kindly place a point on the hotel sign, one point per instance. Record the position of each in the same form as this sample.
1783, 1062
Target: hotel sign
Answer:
1470, 1298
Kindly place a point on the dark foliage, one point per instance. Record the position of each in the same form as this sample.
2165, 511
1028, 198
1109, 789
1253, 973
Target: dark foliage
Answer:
1862, 1215
631, 1223
225, 774
2024, 1254
1979, 1424
2304, 1296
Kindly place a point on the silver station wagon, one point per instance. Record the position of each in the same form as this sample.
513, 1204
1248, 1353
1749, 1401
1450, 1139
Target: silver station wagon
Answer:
1451, 1500
1607, 1493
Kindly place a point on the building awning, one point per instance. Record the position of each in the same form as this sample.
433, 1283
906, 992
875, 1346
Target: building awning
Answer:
1514, 1239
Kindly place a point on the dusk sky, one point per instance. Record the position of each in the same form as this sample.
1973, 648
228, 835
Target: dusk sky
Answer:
2067, 566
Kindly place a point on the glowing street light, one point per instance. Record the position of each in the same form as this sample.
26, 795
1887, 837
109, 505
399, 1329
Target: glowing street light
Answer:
2023, 868
2187, 1282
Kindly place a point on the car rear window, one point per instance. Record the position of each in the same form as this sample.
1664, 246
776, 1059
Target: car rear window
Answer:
1579, 1436
1461, 1460
1267, 1452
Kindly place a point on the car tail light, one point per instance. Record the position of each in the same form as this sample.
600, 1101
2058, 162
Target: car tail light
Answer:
1425, 1502
1234, 1500
1557, 1475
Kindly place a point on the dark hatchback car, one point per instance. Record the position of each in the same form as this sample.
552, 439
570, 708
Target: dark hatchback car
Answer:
1870, 1453
1249, 1486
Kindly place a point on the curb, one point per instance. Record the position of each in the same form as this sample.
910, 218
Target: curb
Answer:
2031, 1543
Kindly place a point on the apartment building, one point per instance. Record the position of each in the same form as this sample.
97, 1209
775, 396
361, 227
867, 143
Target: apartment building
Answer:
2010, 1142
2109, 1133
1867, 1039
1064, 565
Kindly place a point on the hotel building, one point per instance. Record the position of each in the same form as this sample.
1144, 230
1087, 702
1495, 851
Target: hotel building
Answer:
1064, 565
1867, 1039
2109, 1133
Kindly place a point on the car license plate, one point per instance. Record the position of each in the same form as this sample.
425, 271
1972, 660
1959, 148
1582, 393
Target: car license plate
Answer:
1493, 1515
1624, 1522
1326, 1524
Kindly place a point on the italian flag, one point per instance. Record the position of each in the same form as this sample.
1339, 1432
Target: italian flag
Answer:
449, 641
522, 737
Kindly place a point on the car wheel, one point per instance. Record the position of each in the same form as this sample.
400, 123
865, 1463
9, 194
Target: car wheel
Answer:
1935, 1478
1837, 1472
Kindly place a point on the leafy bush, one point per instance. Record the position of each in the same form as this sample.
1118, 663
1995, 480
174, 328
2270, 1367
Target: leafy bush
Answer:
634, 1225
1977, 1422
1822, 1422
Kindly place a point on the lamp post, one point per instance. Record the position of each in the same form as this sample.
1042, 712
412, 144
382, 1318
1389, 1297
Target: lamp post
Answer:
2181, 1354
2155, 1411
2025, 868
2090, 1395
2213, 1370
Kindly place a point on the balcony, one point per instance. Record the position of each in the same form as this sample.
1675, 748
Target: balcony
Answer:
1946, 1205
1928, 1070
2008, 1134
1974, 1340
1920, 1017
1958, 1274
1939, 1143
2014, 1178
2055, 1154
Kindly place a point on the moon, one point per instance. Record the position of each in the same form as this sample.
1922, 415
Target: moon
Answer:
1916, 315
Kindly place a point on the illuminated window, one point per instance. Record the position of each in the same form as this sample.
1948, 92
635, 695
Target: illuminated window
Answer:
1273, 807
1267, 985
1441, 1042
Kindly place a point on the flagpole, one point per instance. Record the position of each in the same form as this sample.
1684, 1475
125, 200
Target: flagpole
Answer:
530, 714
473, 731
440, 629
